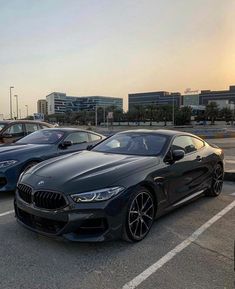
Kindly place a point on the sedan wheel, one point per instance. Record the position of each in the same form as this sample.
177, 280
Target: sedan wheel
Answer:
29, 166
217, 181
140, 216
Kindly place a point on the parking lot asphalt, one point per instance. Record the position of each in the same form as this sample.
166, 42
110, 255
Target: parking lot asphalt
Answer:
28, 260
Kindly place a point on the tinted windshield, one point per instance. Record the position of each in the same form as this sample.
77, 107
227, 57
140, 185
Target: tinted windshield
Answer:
43, 137
133, 144
2, 125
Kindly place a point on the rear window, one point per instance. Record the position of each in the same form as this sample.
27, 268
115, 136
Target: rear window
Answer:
95, 137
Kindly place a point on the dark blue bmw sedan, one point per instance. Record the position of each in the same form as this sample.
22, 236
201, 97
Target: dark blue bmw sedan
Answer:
39, 146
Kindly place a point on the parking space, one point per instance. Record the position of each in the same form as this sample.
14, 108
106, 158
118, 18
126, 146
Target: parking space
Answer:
29, 260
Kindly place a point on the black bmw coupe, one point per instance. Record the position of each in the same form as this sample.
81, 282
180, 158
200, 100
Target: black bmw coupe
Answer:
119, 187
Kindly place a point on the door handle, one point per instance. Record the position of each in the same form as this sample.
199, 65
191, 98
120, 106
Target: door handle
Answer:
199, 158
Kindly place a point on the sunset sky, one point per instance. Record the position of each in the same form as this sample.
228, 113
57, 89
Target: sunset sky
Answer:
108, 47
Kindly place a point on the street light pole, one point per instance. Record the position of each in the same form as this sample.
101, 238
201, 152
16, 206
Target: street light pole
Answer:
96, 115
173, 111
27, 109
17, 106
233, 104
11, 101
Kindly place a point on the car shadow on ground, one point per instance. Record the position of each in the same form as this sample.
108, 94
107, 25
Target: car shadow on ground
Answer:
6, 196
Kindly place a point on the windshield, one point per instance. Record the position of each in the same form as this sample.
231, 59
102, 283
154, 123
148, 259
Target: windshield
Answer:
2, 125
133, 144
42, 137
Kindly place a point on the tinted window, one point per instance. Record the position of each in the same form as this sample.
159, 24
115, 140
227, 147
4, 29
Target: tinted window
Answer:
133, 144
2, 126
95, 137
78, 137
184, 143
43, 137
198, 143
31, 127
15, 129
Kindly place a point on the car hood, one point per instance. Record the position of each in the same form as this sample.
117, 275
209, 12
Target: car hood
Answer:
12, 149
85, 171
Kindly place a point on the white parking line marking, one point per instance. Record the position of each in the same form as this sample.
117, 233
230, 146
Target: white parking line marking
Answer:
233, 194
6, 213
153, 268
230, 161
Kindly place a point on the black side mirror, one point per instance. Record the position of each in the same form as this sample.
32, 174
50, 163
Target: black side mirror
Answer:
65, 144
177, 155
89, 147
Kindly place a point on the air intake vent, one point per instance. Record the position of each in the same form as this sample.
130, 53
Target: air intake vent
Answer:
25, 192
49, 200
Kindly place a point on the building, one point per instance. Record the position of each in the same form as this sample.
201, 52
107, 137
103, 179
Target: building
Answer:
60, 103
56, 103
224, 98
42, 106
190, 99
158, 98
89, 103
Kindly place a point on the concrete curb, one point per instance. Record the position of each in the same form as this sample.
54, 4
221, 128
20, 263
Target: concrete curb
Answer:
229, 176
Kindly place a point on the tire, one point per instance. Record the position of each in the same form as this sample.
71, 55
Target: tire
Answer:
29, 166
139, 216
217, 182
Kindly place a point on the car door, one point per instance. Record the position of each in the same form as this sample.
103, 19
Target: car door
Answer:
13, 133
79, 141
182, 176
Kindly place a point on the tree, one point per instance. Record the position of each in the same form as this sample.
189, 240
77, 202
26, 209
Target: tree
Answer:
151, 112
165, 113
183, 116
212, 111
226, 114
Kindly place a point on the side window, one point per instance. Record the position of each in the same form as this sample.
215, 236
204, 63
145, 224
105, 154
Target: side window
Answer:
43, 126
31, 127
198, 143
15, 129
78, 137
184, 143
95, 137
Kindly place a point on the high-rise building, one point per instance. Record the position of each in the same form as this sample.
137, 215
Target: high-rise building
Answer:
42, 106
56, 103
158, 98
60, 103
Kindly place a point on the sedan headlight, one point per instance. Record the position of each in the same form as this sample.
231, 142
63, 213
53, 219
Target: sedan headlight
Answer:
8, 163
98, 195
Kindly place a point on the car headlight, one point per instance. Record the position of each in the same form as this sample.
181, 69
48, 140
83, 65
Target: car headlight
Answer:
8, 163
98, 195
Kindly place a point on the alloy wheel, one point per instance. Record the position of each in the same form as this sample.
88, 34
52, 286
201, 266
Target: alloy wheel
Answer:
141, 215
218, 178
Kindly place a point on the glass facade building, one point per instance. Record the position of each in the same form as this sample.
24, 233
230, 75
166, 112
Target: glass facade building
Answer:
190, 99
158, 98
89, 103
222, 97
61, 103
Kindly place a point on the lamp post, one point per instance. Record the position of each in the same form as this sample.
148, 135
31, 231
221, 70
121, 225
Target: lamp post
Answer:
96, 117
233, 104
173, 110
11, 101
27, 109
17, 106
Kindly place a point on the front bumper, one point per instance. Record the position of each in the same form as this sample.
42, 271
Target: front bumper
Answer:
90, 222
9, 178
